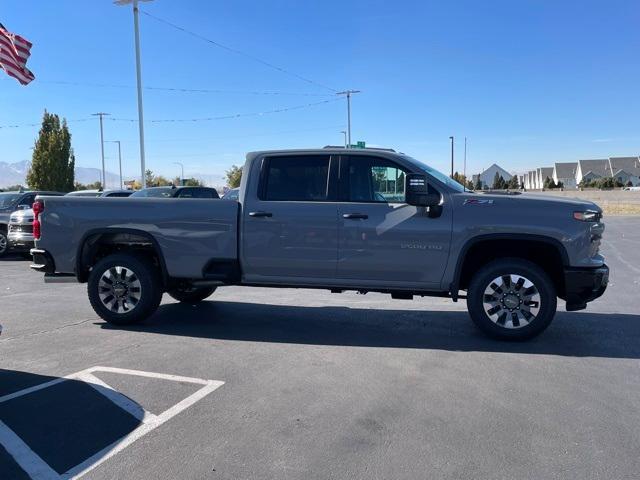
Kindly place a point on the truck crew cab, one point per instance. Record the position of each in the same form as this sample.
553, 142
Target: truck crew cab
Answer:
339, 219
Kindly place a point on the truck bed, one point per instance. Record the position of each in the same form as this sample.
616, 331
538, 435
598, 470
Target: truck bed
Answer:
190, 233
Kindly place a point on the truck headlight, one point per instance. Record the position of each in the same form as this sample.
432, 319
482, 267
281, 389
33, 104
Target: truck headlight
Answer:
588, 216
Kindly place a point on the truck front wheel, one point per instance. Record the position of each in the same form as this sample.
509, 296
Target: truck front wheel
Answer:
191, 295
511, 299
124, 289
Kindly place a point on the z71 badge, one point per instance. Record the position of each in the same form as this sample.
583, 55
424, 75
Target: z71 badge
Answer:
478, 201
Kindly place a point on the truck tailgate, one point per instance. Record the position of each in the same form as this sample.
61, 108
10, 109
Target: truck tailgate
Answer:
188, 232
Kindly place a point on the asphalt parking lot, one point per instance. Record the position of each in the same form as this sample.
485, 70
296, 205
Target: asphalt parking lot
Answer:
290, 384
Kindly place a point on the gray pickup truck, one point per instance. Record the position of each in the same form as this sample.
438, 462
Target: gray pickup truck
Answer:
365, 220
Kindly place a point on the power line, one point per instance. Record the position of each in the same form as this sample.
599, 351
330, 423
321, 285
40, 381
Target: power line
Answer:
184, 90
238, 52
235, 115
40, 123
205, 119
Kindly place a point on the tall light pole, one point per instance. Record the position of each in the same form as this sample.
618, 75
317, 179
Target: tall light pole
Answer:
451, 138
104, 178
348, 94
344, 132
119, 160
138, 81
464, 168
181, 171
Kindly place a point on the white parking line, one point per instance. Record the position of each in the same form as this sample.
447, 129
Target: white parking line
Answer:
38, 469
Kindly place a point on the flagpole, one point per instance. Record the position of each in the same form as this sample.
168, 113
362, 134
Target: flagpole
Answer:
136, 30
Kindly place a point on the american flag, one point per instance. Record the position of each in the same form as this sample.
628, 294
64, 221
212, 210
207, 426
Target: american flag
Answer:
14, 52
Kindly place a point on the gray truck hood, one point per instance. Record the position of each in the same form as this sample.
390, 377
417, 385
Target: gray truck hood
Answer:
540, 200
22, 216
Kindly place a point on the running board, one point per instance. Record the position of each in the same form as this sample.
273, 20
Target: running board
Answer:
60, 278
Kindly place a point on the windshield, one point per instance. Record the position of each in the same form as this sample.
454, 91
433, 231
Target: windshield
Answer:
8, 199
439, 176
163, 192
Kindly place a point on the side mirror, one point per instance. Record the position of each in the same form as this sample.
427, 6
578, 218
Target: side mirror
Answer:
417, 191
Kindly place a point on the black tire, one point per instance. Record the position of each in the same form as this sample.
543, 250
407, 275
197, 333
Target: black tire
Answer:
144, 282
191, 295
533, 309
4, 243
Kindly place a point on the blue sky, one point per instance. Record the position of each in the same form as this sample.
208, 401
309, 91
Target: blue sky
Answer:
528, 82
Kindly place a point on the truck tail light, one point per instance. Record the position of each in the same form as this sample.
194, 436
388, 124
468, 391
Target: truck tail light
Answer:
38, 207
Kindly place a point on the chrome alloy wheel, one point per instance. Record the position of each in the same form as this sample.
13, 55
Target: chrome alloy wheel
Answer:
119, 289
511, 301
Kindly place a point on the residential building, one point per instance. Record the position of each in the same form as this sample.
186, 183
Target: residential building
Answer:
486, 177
590, 170
565, 172
544, 173
625, 169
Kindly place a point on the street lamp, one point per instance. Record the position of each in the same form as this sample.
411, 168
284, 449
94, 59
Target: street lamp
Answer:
181, 171
119, 160
451, 138
102, 114
139, 81
348, 94
344, 132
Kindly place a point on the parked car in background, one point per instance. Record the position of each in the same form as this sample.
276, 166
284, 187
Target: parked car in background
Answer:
233, 194
9, 203
177, 192
100, 193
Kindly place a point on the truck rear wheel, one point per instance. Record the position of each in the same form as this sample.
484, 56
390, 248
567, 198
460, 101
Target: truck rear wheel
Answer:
124, 289
191, 294
511, 299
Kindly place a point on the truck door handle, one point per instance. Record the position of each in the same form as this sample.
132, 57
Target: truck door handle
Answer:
260, 214
355, 216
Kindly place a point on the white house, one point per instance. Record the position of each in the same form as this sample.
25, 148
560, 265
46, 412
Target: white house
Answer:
487, 176
543, 174
625, 169
592, 169
565, 172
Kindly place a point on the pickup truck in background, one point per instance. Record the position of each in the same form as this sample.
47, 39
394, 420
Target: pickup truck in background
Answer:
339, 219
11, 202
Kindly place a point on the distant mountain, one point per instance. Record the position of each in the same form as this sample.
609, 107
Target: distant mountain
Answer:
15, 174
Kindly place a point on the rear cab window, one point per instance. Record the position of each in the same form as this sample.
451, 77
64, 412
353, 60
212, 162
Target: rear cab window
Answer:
297, 178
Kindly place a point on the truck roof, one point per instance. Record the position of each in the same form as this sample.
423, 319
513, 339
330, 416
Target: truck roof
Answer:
328, 149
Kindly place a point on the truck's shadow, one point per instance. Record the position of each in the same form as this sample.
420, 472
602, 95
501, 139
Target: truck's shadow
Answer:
578, 334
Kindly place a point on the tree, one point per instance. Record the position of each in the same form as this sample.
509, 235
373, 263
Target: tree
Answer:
629, 183
549, 184
53, 162
478, 185
12, 188
188, 182
89, 186
499, 182
234, 175
155, 180
513, 183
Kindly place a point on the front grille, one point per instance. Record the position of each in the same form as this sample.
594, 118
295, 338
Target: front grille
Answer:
21, 228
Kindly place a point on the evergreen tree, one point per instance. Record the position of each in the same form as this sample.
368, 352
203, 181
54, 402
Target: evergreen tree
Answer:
53, 162
478, 184
513, 183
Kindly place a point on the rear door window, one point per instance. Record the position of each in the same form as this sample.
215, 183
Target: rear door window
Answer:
303, 178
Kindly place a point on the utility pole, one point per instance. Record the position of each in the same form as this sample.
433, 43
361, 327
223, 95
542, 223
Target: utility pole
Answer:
181, 171
136, 30
344, 132
119, 161
348, 94
104, 178
451, 138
